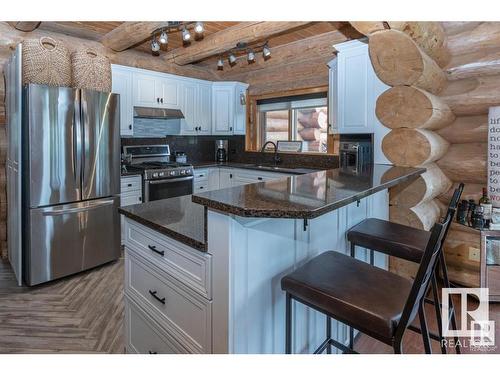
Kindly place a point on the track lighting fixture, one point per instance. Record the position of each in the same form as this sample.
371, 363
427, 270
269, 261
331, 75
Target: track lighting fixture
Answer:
186, 36
220, 64
266, 52
232, 59
199, 28
163, 37
250, 56
155, 46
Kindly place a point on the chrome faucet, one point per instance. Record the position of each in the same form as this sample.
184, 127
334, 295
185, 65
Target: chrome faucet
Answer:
276, 157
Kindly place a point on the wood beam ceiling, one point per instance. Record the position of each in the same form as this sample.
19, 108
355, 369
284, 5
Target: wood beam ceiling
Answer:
129, 34
226, 39
25, 26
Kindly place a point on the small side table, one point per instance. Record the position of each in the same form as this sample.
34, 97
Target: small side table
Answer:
490, 263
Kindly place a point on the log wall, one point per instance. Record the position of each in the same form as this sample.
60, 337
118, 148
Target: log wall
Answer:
10, 37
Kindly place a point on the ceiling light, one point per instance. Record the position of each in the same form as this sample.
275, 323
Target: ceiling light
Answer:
251, 56
199, 28
266, 52
186, 36
220, 64
155, 46
232, 59
163, 37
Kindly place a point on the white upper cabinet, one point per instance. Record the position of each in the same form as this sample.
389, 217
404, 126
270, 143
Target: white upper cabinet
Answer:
168, 93
122, 84
223, 109
229, 108
203, 114
155, 90
189, 93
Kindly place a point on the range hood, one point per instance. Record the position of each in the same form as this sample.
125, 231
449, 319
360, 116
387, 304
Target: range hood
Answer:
158, 113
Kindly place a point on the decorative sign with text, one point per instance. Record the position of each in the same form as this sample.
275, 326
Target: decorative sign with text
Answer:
494, 155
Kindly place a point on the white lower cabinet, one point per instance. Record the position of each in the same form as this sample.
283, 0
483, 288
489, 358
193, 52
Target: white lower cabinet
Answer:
130, 193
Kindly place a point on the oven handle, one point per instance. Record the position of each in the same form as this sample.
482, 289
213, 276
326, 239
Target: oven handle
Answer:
169, 181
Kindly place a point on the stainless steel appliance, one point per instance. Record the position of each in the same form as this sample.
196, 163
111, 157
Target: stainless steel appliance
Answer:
221, 148
71, 181
355, 155
161, 178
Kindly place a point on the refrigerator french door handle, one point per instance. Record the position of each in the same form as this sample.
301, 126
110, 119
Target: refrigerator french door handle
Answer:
77, 137
77, 209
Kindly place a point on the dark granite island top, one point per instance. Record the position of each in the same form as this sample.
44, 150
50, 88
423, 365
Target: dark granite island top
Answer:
305, 196
178, 218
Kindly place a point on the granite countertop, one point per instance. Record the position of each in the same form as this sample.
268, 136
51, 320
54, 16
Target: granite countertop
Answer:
305, 196
178, 218
267, 168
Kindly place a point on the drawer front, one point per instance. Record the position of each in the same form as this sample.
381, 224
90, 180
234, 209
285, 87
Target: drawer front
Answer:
131, 183
184, 314
133, 197
200, 175
200, 186
144, 336
191, 267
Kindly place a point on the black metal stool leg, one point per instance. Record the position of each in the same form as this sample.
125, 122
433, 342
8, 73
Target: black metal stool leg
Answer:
328, 333
351, 330
437, 307
423, 327
288, 323
446, 282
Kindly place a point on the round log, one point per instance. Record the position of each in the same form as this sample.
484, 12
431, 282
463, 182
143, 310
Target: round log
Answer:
457, 27
413, 147
475, 64
427, 186
368, 27
466, 129
484, 36
310, 134
398, 60
472, 96
430, 36
422, 216
465, 162
410, 107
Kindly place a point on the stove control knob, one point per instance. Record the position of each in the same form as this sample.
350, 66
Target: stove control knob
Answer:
155, 175
172, 173
161, 174
183, 171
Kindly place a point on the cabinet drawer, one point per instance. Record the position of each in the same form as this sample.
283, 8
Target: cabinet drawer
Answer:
200, 175
130, 183
184, 314
129, 198
191, 267
200, 186
144, 336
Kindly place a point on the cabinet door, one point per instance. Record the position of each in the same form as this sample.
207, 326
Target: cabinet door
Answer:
203, 113
225, 178
122, 84
213, 179
353, 106
240, 115
223, 111
188, 124
168, 93
145, 87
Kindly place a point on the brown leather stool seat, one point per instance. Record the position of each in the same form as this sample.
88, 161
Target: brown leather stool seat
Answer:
394, 239
364, 297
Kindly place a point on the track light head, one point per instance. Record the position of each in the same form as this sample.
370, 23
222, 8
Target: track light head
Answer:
251, 56
199, 28
186, 36
220, 64
232, 59
163, 37
266, 52
155, 46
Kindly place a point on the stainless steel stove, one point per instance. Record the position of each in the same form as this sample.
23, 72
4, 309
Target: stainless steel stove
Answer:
161, 178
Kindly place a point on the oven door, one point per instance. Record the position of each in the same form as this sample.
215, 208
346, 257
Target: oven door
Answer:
168, 188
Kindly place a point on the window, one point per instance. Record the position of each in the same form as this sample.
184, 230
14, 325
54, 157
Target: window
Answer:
300, 118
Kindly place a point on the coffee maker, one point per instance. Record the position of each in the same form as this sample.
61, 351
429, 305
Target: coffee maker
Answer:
221, 150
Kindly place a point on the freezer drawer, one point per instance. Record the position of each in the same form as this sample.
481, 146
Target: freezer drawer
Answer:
70, 238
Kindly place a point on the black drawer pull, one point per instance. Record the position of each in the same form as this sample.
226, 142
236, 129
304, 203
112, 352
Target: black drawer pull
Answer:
259, 178
129, 185
153, 248
153, 293
201, 187
152, 352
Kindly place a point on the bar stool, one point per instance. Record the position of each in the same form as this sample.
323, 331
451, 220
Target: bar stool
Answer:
374, 301
406, 243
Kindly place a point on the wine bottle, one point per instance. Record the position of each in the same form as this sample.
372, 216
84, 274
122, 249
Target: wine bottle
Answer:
485, 202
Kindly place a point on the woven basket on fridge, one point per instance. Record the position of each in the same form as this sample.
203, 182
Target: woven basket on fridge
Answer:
46, 61
91, 71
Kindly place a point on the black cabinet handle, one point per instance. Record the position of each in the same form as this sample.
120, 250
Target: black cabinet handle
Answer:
259, 178
201, 187
153, 293
129, 185
231, 128
152, 352
230, 175
140, 199
153, 248
157, 100
130, 127
161, 100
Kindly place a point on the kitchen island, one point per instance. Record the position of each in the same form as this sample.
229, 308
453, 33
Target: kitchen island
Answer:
203, 272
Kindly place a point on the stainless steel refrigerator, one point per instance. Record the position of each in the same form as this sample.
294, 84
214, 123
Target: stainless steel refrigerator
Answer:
70, 181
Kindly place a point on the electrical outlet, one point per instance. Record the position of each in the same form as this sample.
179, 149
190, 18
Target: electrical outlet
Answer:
474, 254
